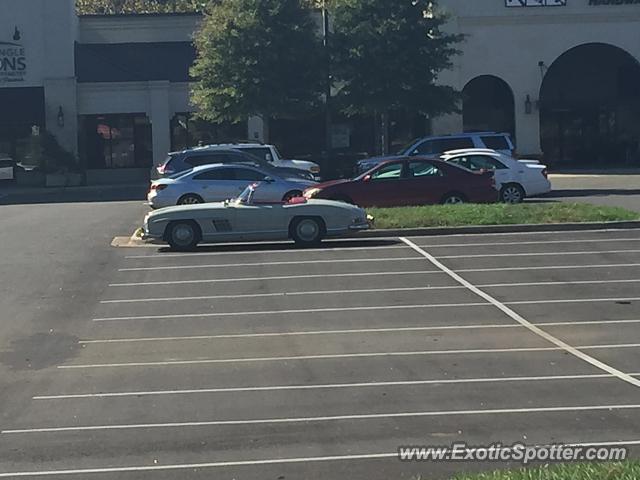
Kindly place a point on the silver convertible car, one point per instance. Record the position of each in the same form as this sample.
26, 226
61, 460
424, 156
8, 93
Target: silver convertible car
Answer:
307, 222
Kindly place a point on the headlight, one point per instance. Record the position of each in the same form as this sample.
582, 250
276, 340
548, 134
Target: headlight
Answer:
311, 192
315, 169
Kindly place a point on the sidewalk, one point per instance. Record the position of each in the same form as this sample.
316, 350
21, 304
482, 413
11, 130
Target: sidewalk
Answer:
14, 194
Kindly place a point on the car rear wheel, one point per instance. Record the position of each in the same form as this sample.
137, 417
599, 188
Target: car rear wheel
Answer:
190, 199
183, 235
512, 193
307, 231
453, 199
292, 194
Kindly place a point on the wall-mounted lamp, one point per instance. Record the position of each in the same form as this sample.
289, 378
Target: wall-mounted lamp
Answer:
528, 105
60, 117
543, 68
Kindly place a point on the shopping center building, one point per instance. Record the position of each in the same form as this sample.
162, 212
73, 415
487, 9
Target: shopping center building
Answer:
562, 76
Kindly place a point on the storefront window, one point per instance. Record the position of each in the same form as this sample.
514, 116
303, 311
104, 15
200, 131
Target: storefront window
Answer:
20, 110
188, 131
116, 141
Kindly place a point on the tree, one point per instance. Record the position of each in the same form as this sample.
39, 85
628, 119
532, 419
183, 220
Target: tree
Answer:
87, 7
257, 57
386, 56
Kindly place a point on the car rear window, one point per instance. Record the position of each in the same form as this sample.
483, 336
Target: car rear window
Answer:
197, 160
261, 153
496, 142
217, 174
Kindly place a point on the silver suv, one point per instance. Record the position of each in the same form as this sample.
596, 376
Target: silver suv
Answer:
436, 146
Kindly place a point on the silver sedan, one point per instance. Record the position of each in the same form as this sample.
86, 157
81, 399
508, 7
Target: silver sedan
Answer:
216, 183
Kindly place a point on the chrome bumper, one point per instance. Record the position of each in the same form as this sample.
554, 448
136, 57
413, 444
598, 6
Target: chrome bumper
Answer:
360, 226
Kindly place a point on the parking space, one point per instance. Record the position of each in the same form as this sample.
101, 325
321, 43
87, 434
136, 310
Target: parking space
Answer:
264, 361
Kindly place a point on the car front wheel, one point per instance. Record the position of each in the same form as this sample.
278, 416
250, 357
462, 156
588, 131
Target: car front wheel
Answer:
512, 193
183, 235
307, 231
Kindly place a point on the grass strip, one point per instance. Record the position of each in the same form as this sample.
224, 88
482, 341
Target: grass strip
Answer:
497, 214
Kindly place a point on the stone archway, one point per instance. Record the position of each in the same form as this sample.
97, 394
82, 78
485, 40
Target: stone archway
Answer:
590, 107
488, 105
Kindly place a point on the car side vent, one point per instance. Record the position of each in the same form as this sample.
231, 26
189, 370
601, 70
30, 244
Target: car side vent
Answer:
222, 225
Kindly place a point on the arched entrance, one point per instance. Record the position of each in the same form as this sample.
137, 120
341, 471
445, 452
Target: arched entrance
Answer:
590, 107
488, 105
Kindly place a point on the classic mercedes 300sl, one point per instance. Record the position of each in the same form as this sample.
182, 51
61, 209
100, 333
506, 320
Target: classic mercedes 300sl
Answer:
306, 222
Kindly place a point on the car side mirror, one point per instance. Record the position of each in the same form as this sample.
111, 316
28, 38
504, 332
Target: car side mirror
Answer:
268, 180
268, 157
367, 178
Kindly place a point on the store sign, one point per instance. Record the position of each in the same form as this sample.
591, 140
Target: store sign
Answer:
13, 60
536, 3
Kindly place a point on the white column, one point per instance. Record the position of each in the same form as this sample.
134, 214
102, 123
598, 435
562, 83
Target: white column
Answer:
159, 113
527, 124
60, 97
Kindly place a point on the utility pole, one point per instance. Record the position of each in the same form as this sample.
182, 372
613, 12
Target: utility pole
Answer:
327, 61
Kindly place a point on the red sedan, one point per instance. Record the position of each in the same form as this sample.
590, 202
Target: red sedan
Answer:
410, 181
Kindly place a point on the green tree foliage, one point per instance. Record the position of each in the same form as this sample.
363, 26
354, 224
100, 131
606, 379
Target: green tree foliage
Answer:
257, 57
87, 7
387, 56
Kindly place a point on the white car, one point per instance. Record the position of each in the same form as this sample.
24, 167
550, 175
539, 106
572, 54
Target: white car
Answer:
270, 153
307, 222
218, 182
515, 179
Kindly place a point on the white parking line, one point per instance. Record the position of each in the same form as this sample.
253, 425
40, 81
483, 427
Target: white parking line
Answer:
326, 386
209, 361
361, 245
569, 282
281, 294
262, 462
363, 290
289, 312
374, 260
525, 323
282, 277
358, 245
546, 242
356, 309
302, 333
535, 254
329, 418
525, 234
268, 264
547, 267
345, 332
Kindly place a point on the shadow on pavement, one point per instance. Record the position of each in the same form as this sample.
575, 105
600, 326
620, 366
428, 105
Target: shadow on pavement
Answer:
11, 195
280, 247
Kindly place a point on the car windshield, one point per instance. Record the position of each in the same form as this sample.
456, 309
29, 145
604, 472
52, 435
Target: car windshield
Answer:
246, 196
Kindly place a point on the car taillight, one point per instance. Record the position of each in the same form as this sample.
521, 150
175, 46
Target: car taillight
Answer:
545, 174
158, 187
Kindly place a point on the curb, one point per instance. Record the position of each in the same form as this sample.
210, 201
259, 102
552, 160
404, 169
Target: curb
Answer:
134, 241
480, 229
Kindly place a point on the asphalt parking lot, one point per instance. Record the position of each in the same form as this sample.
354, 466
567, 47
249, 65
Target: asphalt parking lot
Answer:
268, 362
